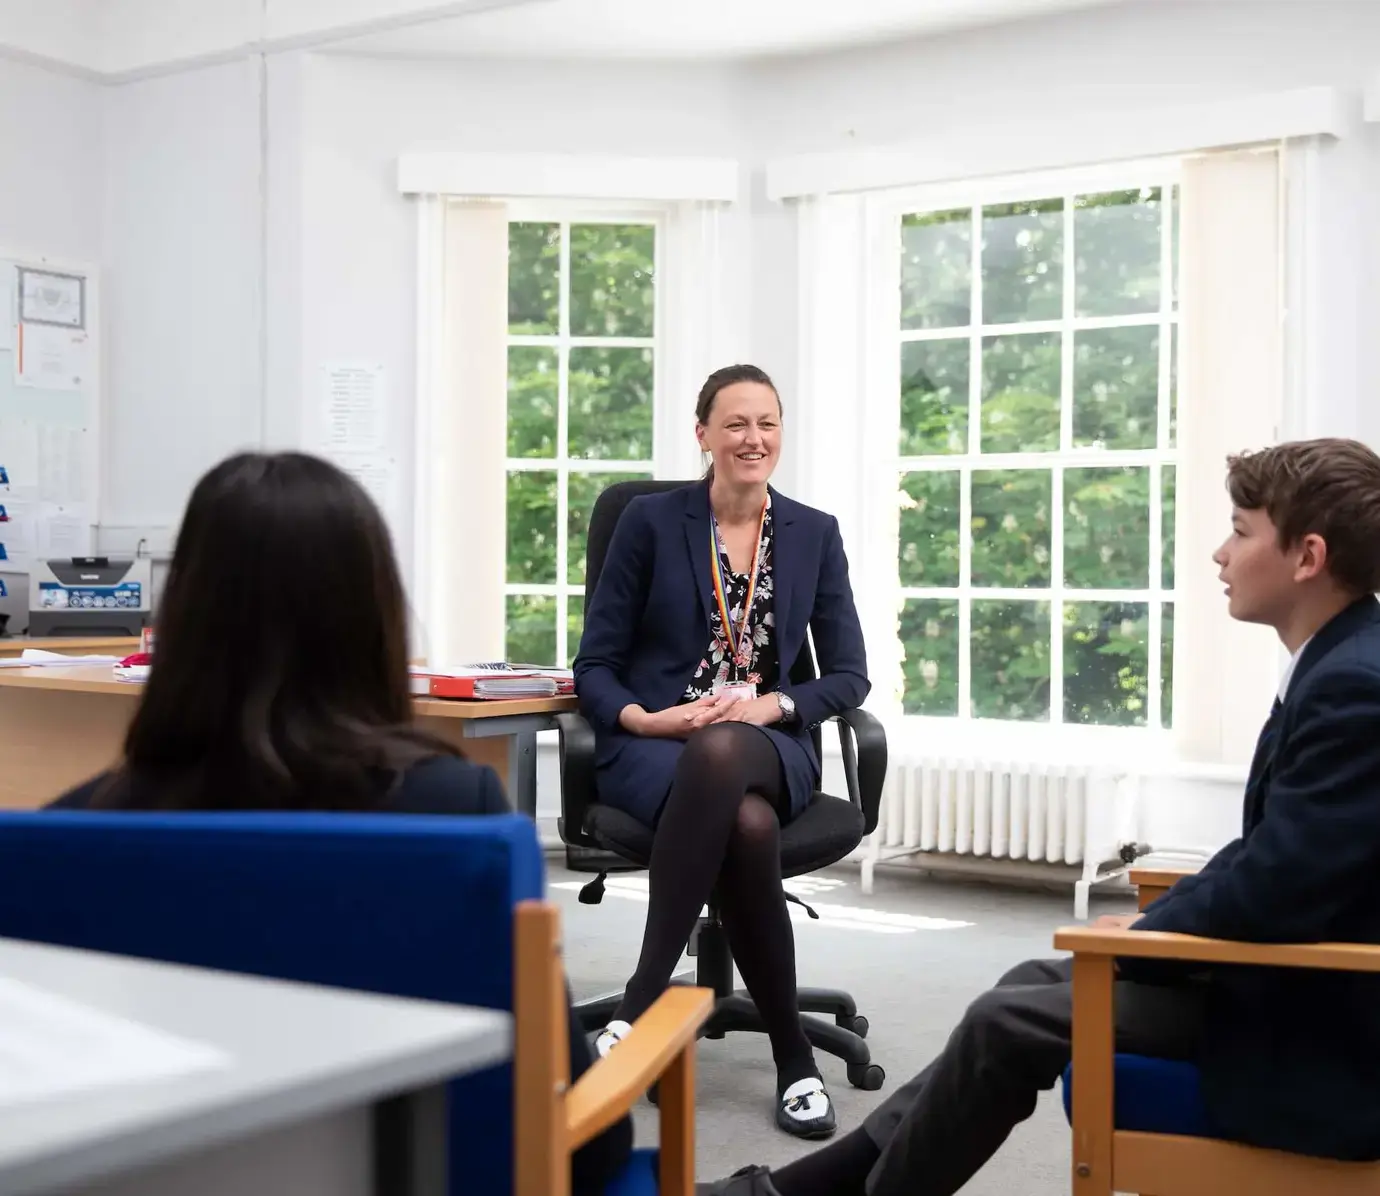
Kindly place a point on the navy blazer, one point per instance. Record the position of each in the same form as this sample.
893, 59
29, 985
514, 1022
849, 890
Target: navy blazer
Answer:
1292, 1056
648, 626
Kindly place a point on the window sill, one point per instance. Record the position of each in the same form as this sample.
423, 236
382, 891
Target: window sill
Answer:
1137, 749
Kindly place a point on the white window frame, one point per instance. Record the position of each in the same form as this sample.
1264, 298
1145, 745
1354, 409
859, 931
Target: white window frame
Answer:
563, 465
884, 336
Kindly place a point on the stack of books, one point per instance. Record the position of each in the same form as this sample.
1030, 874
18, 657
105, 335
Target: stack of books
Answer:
492, 680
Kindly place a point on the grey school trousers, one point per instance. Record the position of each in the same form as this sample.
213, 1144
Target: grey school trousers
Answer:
937, 1130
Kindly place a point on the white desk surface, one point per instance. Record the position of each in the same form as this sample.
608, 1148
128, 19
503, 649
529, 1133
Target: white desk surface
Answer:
296, 1051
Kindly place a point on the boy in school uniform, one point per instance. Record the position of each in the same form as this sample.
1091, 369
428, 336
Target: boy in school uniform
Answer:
1287, 1057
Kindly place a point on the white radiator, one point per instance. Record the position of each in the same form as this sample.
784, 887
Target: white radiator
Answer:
1022, 810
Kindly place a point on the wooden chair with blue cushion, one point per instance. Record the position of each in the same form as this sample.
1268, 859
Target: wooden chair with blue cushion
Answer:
437, 908
1140, 1124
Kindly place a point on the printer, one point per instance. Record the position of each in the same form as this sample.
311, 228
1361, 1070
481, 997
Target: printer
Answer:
90, 595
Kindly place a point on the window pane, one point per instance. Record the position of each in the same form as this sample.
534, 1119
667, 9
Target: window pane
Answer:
1105, 669
1173, 385
1011, 527
584, 489
534, 279
929, 528
533, 395
1020, 393
929, 642
1174, 214
574, 627
611, 404
531, 637
611, 279
1107, 528
532, 528
1167, 665
1116, 387
1010, 645
934, 397
1167, 483
936, 269
1023, 261
1116, 240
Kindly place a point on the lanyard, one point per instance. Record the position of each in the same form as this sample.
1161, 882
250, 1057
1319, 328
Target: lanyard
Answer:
736, 642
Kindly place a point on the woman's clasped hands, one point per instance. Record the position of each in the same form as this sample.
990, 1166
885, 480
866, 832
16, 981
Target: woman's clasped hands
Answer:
679, 722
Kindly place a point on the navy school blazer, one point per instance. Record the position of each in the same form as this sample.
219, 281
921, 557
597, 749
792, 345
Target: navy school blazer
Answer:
1292, 1055
648, 626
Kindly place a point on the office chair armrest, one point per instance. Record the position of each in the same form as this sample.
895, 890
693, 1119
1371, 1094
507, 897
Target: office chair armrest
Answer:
1106, 942
661, 1037
577, 775
863, 741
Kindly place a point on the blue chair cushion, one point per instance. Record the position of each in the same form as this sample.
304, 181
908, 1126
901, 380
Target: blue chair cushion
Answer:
638, 1177
404, 905
1154, 1096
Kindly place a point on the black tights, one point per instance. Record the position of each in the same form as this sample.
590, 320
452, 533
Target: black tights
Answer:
719, 827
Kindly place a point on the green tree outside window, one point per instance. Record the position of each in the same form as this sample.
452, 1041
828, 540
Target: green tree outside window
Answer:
581, 374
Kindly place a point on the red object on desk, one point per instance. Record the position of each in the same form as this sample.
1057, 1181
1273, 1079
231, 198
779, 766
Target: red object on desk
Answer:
490, 686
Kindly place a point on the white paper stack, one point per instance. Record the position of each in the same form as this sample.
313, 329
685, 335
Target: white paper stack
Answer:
37, 658
52, 1046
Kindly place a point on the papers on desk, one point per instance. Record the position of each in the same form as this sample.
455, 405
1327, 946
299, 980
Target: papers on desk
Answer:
52, 1046
37, 658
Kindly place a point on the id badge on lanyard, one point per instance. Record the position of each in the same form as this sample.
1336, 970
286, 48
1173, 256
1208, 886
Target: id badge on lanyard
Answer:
739, 638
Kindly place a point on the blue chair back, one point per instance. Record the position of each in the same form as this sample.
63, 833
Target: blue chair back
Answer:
411, 906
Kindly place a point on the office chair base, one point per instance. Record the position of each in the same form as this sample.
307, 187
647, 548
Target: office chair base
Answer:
734, 1010
737, 1013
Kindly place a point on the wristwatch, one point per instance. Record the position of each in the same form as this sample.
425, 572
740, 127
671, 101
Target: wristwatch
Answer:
787, 704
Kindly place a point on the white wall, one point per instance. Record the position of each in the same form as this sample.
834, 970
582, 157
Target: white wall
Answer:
50, 141
183, 251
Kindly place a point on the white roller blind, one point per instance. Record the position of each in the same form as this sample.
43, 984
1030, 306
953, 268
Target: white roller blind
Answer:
466, 537
1231, 387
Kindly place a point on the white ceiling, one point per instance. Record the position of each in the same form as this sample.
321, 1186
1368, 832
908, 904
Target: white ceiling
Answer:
704, 30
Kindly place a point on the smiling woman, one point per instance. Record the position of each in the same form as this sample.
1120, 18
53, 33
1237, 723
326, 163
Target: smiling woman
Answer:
704, 602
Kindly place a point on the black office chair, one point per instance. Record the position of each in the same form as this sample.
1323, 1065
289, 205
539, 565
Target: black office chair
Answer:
602, 839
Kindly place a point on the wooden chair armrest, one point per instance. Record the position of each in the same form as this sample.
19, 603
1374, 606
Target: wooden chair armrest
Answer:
1114, 942
1153, 883
609, 1089
1159, 877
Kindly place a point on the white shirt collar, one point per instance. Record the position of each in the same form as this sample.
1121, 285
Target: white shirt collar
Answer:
1289, 669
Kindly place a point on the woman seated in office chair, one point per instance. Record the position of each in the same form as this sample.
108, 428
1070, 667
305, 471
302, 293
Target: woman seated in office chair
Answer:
280, 680
704, 601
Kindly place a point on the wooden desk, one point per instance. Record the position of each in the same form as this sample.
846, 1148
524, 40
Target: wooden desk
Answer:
59, 726
71, 645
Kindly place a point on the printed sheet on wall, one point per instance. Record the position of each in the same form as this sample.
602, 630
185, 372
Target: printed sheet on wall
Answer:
47, 413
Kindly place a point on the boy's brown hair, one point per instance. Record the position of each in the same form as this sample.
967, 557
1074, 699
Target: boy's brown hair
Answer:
1328, 487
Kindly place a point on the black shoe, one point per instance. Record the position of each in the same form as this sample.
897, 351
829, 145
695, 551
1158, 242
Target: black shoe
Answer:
750, 1181
805, 1110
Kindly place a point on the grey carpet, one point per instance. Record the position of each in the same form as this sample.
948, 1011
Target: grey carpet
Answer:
913, 986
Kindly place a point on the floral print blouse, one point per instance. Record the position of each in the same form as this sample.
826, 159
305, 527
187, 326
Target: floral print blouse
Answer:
718, 665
